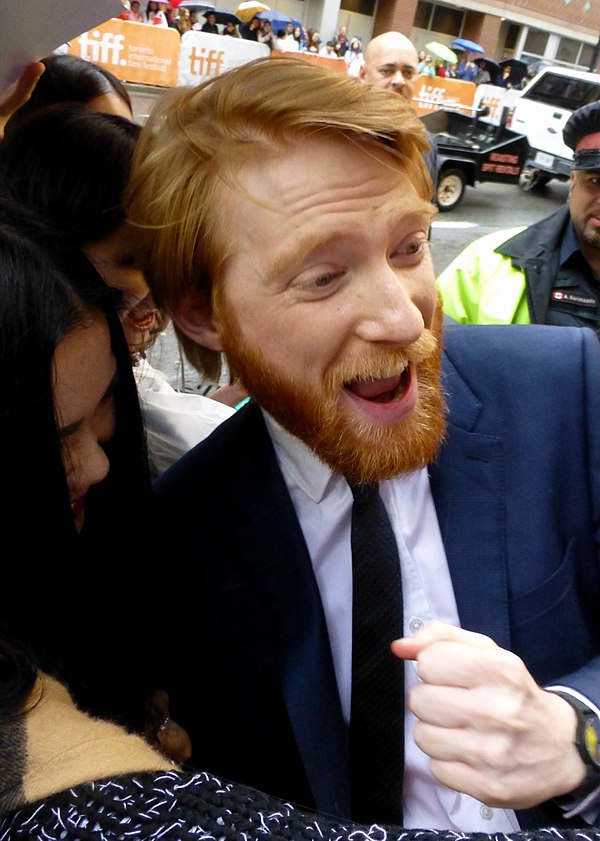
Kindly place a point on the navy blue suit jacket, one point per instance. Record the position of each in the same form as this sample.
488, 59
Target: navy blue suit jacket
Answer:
517, 492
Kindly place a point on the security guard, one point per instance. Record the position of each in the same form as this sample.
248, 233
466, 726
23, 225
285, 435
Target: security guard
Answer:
548, 273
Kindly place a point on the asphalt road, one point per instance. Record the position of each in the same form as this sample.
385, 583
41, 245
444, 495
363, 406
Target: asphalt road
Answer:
490, 207
484, 208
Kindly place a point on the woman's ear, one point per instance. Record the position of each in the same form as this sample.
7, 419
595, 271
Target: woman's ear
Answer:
194, 317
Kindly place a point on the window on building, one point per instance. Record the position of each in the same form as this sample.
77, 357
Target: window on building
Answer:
435, 17
423, 15
586, 55
535, 43
512, 33
447, 20
363, 7
568, 50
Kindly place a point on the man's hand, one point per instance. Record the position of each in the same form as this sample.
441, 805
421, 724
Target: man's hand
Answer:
489, 730
19, 92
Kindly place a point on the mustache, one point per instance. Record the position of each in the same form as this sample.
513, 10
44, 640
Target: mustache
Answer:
382, 363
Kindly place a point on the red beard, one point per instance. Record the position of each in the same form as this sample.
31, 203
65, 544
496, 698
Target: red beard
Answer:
363, 452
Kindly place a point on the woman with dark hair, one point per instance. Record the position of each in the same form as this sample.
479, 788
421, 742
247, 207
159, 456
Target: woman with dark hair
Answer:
299, 38
151, 10
67, 78
68, 165
68, 410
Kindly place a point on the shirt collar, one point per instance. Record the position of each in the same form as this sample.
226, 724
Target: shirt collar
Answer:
569, 244
305, 469
299, 462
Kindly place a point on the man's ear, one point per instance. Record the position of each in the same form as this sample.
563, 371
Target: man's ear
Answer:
193, 316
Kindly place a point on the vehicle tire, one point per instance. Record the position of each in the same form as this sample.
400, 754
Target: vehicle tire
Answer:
533, 179
450, 189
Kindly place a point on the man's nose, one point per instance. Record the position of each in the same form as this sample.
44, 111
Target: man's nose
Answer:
398, 79
389, 313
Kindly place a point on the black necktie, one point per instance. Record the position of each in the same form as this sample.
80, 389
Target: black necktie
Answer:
377, 709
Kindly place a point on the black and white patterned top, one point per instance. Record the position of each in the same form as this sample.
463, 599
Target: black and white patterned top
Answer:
176, 806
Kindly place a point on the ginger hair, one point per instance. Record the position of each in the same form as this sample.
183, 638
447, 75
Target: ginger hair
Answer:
197, 139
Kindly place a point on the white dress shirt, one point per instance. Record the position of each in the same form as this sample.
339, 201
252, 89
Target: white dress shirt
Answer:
323, 504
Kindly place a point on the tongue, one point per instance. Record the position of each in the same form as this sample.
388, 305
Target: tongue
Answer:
375, 389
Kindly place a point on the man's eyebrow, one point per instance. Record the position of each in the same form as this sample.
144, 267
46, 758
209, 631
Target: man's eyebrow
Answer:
406, 209
392, 65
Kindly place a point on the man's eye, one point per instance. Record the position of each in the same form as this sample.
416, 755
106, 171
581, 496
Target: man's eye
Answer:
409, 72
415, 246
324, 279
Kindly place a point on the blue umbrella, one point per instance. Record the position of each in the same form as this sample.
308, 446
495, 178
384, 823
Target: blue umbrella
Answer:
273, 14
278, 20
464, 44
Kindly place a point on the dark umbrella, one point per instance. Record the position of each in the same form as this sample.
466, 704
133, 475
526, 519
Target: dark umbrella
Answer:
518, 69
464, 44
492, 68
222, 16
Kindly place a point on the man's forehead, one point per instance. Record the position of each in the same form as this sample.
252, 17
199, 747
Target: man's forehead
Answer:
393, 57
276, 182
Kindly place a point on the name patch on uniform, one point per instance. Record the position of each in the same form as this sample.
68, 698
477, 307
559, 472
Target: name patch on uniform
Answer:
570, 298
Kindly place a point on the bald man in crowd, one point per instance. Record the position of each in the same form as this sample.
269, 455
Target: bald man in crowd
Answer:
391, 63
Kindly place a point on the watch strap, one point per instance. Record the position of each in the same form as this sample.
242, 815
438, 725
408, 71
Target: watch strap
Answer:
585, 749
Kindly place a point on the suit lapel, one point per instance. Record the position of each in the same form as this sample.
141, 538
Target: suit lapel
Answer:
468, 486
281, 567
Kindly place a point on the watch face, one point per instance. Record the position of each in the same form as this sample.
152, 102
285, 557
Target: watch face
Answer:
591, 738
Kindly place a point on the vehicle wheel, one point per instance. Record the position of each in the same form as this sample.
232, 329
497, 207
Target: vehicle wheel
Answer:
450, 189
533, 179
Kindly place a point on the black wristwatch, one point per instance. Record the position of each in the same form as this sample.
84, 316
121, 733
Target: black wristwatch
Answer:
587, 742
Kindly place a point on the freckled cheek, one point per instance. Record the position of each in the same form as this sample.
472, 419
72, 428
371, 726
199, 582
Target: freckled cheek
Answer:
304, 342
427, 306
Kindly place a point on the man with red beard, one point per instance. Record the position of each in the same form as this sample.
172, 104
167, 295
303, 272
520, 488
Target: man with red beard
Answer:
320, 293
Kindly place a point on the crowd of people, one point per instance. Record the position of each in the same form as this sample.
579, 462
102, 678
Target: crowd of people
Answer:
293, 37
471, 69
372, 591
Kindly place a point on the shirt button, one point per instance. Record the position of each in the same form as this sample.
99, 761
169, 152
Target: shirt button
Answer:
486, 813
415, 625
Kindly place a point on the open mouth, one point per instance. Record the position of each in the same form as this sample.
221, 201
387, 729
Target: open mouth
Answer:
77, 506
384, 390
144, 322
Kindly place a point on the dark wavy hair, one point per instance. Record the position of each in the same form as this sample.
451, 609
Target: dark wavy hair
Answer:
69, 165
68, 78
68, 598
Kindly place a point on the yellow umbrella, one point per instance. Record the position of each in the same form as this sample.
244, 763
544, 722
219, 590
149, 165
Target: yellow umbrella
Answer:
249, 8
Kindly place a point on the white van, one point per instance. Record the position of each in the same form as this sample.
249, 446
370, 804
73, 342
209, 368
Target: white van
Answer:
540, 113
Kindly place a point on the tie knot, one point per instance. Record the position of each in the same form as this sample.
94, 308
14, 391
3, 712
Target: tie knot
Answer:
364, 493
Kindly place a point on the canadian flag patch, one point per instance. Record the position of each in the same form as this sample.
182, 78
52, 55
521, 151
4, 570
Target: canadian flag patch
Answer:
571, 298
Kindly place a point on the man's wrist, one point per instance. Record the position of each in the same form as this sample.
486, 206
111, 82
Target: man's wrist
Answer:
587, 743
